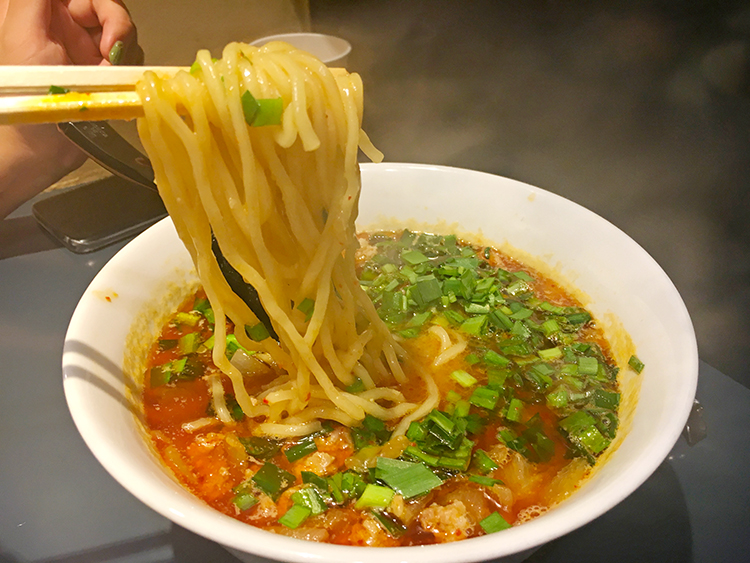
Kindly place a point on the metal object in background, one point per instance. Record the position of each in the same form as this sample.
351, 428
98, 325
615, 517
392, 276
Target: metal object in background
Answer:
695, 428
109, 149
95, 215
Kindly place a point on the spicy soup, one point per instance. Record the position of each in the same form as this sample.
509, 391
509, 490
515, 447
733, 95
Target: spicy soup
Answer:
528, 402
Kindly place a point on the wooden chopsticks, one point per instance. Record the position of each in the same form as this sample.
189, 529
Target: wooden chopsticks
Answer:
96, 93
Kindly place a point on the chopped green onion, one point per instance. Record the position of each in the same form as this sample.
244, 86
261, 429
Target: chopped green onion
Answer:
426, 290
550, 353
408, 479
273, 480
56, 90
472, 359
485, 481
484, 397
419, 319
463, 378
461, 409
416, 431
582, 431
314, 479
606, 399
375, 496
424, 457
260, 447
522, 314
441, 421
474, 325
232, 345
494, 523
496, 378
521, 275
159, 375
250, 107
550, 327
500, 320
203, 306
357, 387
307, 307
477, 309
588, 365
492, 357
373, 431
305, 447
390, 523
515, 410
261, 112
270, 112
557, 398
636, 364
414, 257
258, 332
452, 397
295, 516
189, 319
483, 462
166, 344
244, 500
579, 318
189, 342
310, 498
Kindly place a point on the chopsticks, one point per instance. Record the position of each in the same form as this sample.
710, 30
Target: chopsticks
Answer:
18, 80
96, 92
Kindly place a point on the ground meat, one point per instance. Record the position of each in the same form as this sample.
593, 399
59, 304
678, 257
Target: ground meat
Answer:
319, 463
447, 523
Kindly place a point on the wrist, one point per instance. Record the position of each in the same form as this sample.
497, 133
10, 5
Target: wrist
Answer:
32, 158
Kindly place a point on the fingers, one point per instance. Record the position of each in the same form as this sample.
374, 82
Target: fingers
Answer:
76, 38
118, 38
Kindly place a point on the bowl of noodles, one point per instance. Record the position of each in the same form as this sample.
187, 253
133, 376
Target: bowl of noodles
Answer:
313, 359
122, 313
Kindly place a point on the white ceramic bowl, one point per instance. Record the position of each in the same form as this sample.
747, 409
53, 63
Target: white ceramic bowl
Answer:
331, 50
622, 285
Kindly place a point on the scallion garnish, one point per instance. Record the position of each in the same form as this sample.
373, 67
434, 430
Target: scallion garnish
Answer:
408, 479
295, 516
310, 498
494, 523
273, 480
375, 496
299, 450
463, 378
257, 332
483, 462
636, 364
57, 90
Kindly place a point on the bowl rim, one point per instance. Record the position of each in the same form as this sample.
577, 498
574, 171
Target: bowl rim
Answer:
195, 515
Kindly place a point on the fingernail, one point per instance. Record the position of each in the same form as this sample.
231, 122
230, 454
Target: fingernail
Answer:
115, 53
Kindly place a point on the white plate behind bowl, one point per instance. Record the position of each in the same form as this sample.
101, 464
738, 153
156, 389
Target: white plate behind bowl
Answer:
618, 279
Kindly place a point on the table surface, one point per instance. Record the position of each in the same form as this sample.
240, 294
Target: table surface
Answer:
57, 504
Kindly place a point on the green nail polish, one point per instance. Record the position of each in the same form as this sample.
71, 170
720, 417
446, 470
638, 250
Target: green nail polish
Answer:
115, 54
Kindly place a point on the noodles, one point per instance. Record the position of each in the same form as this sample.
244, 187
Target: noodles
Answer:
281, 201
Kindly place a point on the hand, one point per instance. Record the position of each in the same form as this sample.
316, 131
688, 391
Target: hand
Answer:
58, 32
54, 32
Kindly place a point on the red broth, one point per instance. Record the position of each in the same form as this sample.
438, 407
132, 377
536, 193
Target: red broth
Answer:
533, 422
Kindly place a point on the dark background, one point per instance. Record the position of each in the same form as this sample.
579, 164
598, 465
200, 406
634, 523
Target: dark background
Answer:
638, 110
